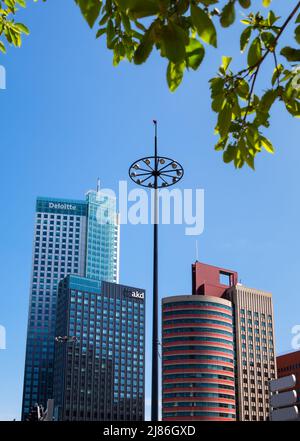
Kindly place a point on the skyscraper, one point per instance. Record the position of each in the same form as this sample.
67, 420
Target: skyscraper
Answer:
255, 351
99, 373
189, 331
254, 336
198, 359
103, 238
70, 237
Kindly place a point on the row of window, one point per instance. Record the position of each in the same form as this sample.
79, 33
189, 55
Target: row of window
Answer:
179, 414
195, 303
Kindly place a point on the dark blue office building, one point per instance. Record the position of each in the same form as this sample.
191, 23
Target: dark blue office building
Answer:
100, 360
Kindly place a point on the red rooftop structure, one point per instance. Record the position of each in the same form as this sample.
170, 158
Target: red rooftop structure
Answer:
211, 280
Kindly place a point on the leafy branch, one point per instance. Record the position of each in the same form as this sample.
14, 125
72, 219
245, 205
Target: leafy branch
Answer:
241, 137
9, 29
181, 30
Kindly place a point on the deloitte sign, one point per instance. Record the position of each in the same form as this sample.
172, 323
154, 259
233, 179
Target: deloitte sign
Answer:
61, 206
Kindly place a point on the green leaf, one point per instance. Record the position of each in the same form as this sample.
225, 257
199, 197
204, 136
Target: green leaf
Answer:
228, 15
243, 89
175, 74
266, 143
90, 9
2, 47
139, 8
277, 72
293, 107
218, 103
268, 100
22, 28
217, 86
245, 3
269, 40
290, 53
173, 42
255, 53
126, 23
229, 154
22, 3
297, 34
226, 62
145, 47
110, 31
224, 120
204, 25
266, 3
245, 37
250, 161
100, 32
194, 53
209, 2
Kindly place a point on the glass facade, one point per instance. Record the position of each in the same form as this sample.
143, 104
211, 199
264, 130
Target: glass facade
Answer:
102, 259
60, 247
100, 375
198, 359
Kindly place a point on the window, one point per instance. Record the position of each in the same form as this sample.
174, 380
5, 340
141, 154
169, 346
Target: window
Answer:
225, 278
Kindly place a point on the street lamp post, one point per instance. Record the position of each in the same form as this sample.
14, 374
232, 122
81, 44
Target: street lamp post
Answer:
155, 172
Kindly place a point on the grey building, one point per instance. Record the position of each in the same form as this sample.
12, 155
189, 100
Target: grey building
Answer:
70, 237
99, 369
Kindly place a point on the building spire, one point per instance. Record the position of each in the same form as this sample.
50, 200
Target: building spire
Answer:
98, 185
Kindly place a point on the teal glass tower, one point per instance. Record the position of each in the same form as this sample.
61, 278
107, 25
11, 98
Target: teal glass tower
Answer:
102, 257
70, 237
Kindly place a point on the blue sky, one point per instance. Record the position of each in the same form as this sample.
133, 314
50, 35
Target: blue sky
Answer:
68, 116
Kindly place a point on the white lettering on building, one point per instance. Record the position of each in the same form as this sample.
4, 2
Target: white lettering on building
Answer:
61, 206
137, 294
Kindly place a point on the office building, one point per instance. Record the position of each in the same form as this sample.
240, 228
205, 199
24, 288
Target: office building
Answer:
288, 364
198, 380
103, 238
254, 336
254, 348
99, 373
253, 339
70, 237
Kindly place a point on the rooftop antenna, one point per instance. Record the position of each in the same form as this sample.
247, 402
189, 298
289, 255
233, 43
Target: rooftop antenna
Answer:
98, 185
197, 252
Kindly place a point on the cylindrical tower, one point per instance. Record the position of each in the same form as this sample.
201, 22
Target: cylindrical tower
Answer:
198, 378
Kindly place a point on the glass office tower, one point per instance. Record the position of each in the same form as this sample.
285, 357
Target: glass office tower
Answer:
63, 244
99, 372
102, 258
